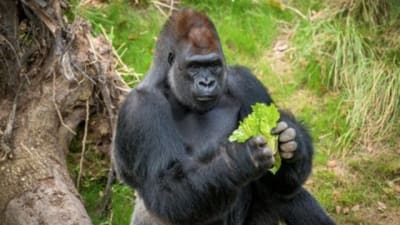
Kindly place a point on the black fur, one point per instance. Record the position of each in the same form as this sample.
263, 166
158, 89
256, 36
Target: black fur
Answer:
173, 150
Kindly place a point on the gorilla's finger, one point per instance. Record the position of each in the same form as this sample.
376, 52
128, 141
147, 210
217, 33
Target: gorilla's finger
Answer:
287, 155
281, 126
289, 146
287, 135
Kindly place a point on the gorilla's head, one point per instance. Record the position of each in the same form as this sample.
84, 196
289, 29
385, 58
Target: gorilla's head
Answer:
197, 71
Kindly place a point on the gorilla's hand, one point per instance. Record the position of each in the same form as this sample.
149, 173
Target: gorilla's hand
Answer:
261, 154
287, 142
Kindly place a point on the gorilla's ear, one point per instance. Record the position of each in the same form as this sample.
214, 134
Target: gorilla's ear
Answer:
171, 57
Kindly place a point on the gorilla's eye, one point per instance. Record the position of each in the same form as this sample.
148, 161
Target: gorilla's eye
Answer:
171, 58
194, 65
216, 68
193, 68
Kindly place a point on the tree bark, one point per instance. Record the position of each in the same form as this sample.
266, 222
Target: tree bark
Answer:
52, 77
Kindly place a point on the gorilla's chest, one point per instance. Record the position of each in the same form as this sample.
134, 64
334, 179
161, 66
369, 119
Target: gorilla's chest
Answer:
208, 128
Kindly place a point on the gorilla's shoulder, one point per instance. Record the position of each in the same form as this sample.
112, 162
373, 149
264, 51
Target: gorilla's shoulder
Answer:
242, 76
239, 70
245, 86
142, 96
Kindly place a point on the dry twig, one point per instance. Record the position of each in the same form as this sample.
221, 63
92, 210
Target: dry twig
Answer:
160, 5
83, 145
107, 192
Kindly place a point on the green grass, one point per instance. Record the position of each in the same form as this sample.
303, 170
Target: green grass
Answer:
342, 59
134, 30
122, 202
246, 38
361, 181
347, 55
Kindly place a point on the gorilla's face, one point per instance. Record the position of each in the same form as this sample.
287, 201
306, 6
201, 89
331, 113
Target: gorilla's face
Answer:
198, 80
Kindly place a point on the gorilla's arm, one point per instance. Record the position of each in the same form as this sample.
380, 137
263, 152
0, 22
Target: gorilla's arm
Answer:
151, 157
293, 172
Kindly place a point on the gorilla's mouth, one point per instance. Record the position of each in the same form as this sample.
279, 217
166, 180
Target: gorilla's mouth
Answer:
206, 98
205, 103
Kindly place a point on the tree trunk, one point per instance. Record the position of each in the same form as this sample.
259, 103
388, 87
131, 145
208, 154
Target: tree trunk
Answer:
52, 78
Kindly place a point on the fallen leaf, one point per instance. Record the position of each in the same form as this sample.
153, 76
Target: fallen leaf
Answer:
133, 36
331, 164
381, 206
338, 209
337, 195
281, 47
276, 4
397, 188
355, 208
310, 182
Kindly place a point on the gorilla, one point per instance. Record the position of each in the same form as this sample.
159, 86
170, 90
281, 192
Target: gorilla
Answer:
171, 143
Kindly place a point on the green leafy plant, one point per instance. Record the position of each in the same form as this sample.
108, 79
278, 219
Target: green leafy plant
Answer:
260, 122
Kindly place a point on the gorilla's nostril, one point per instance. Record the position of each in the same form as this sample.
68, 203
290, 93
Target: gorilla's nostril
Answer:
203, 83
211, 83
207, 83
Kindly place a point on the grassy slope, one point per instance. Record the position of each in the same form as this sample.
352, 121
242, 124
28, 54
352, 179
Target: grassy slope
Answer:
349, 187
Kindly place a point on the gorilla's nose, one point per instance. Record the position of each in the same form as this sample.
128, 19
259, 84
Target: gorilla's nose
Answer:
206, 84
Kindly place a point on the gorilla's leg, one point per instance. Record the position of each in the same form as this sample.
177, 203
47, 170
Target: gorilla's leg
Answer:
303, 209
